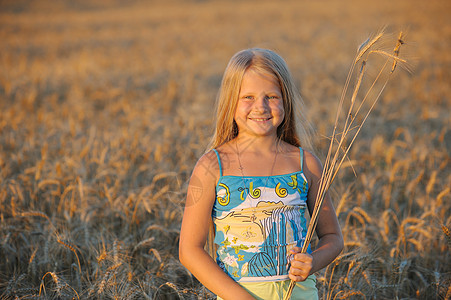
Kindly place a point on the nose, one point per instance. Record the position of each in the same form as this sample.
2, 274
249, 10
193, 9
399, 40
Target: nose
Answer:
261, 104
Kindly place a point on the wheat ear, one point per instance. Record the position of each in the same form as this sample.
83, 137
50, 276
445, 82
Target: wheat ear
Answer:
335, 158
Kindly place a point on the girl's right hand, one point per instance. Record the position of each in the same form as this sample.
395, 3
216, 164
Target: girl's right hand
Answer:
301, 265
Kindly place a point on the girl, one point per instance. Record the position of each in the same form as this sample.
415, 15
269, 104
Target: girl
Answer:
254, 183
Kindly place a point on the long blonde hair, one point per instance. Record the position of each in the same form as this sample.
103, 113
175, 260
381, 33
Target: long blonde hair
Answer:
295, 129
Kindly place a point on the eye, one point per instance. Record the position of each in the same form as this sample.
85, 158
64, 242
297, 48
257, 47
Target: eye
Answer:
248, 97
272, 97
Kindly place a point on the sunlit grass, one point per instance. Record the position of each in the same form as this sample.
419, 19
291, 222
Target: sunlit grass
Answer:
104, 111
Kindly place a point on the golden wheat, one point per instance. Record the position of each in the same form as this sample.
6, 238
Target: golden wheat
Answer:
91, 121
336, 157
71, 248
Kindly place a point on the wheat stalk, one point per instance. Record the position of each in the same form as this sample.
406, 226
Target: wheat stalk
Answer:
60, 285
336, 155
55, 279
105, 279
71, 248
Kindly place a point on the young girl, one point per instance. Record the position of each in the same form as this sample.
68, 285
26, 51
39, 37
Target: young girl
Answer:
254, 184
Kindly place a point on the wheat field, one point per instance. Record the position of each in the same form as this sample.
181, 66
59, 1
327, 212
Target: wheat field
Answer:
105, 108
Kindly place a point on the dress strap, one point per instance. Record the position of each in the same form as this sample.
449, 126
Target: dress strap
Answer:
301, 154
219, 162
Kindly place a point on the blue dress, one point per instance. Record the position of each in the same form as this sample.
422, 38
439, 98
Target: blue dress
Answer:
257, 220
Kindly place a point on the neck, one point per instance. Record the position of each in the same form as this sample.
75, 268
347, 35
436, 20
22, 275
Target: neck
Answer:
258, 144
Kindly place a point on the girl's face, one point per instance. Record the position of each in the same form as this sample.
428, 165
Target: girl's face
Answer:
260, 105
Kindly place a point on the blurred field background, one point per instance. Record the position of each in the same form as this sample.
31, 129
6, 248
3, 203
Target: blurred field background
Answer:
106, 106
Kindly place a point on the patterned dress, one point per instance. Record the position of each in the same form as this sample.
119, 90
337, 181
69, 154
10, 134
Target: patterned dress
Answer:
258, 219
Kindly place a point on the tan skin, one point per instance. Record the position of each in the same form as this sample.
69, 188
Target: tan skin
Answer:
254, 144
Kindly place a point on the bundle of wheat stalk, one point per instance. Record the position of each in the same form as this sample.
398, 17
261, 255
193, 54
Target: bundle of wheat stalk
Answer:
345, 131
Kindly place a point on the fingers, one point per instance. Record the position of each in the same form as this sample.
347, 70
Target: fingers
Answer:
301, 265
295, 250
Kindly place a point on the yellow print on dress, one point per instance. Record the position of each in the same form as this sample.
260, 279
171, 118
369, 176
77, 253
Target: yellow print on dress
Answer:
254, 193
281, 192
294, 182
226, 199
226, 242
242, 195
304, 186
248, 233
240, 247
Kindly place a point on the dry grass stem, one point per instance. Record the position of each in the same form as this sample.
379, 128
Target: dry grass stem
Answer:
71, 248
335, 155
100, 130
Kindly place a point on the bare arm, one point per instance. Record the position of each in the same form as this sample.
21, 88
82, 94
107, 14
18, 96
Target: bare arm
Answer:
328, 230
194, 232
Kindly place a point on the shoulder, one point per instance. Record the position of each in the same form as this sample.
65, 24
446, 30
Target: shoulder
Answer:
288, 149
207, 163
208, 157
310, 158
201, 187
312, 165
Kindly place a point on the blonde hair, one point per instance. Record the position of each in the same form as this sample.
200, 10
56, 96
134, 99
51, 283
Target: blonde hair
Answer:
295, 129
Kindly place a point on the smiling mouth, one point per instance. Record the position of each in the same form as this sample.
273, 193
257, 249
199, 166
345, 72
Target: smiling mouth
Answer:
261, 119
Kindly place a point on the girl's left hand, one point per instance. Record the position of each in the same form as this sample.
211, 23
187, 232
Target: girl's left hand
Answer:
301, 265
